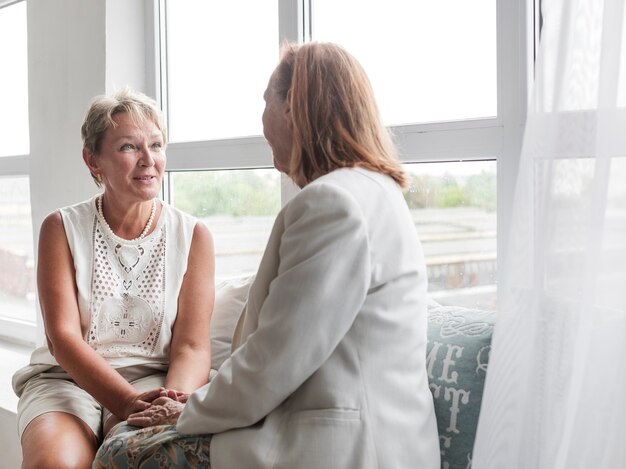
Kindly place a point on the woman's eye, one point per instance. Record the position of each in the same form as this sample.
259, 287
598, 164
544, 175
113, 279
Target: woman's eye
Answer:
157, 145
127, 147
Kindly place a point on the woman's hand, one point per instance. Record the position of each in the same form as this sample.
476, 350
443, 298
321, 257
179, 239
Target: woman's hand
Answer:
143, 401
175, 395
163, 411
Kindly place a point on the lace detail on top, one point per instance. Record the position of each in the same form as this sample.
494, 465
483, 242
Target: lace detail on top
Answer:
127, 294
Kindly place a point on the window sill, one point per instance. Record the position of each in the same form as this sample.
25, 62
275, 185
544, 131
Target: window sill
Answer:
12, 357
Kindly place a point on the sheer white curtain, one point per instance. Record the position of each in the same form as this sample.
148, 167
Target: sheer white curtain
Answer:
556, 388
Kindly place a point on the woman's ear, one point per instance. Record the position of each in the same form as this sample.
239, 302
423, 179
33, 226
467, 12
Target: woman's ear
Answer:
287, 115
287, 110
92, 163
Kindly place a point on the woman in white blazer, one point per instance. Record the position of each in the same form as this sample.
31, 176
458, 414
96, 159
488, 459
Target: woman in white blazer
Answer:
328, 364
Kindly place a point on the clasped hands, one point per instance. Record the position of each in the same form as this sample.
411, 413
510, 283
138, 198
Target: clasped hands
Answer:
157, 407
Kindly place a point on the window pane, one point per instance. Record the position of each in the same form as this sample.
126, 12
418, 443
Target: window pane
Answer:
239, 207
427, 60
17, 275
13, 81
454, 209
220, 56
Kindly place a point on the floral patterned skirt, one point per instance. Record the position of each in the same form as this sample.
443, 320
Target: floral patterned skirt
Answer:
155, 447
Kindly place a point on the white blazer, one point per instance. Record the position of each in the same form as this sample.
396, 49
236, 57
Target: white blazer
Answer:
329, 369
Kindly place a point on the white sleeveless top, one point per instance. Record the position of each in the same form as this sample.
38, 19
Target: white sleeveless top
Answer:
127, 290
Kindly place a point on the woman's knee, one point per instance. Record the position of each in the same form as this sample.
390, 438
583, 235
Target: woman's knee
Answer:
58, 440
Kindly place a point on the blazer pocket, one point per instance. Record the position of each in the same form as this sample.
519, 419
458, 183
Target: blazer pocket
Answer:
322, 438
322, 415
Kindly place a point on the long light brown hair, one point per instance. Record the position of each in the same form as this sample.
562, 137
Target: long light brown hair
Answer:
336, 122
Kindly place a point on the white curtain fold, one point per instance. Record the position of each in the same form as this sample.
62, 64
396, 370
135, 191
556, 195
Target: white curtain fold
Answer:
555, 390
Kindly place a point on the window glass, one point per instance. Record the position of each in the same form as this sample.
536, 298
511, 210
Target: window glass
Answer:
238, 206
13, 81
453, 205
17, 275
220, 56
427, 60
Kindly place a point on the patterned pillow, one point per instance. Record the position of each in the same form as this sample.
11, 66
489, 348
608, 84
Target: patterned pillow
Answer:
459, 342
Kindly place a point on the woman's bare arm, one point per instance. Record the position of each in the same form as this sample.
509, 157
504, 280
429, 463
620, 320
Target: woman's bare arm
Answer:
190, 350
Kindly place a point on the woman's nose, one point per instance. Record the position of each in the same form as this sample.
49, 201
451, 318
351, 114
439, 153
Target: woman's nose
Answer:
146, 157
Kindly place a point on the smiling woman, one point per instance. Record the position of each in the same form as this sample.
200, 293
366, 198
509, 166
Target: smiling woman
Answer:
126, 316
125, 152
128, 160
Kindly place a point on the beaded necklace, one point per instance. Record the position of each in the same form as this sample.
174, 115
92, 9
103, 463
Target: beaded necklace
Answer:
145, 230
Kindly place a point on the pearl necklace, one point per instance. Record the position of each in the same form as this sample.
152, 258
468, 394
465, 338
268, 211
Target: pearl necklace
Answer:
145, 230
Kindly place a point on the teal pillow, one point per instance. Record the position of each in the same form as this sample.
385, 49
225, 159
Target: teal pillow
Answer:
459, 342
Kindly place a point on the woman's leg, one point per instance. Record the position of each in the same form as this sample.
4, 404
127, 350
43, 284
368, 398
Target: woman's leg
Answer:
110, 422
152, 448
58, 440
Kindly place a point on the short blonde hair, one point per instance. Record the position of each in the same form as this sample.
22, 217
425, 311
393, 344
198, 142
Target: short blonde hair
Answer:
99, 116
336, 122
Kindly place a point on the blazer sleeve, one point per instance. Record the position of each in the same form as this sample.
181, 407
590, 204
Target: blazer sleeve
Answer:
322, 282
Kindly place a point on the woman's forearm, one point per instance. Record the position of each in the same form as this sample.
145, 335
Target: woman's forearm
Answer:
95, 375
189, 368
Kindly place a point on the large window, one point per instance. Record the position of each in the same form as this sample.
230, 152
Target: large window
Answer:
441, 72
450, 77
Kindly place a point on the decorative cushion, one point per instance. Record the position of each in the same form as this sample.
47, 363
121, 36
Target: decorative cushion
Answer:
230, 297
459, 342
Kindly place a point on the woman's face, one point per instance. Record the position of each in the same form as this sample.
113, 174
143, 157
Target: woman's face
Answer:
131, 159
277, 128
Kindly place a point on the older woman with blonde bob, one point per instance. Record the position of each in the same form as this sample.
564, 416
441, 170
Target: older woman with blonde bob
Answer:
126, 290
328, 365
